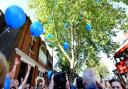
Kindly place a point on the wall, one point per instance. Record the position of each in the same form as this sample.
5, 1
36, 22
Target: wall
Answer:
2, 22
21, 39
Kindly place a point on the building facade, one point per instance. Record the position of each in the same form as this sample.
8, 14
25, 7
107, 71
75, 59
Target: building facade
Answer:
30, 50
2, 21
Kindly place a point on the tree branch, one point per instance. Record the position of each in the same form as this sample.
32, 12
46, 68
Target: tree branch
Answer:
72, 50
61, 48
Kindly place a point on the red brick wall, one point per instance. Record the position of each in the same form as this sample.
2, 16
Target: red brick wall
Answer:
23, 43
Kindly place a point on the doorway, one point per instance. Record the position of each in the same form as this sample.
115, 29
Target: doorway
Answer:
22, 73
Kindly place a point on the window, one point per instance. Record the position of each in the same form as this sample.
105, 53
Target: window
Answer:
31, 46
40, 74
117, 60
42, 56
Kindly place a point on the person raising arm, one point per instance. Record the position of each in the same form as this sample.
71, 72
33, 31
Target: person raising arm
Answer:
25, 79
12, 73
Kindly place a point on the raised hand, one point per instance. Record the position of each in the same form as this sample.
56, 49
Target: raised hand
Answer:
13, 71
29, 67
67, 83
51, 85
16, 61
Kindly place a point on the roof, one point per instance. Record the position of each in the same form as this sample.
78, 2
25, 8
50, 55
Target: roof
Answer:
7, 42
122, 48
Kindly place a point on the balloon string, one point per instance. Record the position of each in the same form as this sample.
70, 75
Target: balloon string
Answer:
5, 31
30, 49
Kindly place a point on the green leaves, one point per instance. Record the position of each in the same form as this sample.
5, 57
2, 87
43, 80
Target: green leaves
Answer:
102, 17
124, 1
101, 70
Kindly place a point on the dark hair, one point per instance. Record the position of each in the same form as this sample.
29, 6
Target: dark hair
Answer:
38, 82
13, 87
116, 80
79, 82
98, 84
59, 80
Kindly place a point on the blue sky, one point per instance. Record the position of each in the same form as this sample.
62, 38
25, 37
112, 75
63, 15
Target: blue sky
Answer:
121, 4
5, 3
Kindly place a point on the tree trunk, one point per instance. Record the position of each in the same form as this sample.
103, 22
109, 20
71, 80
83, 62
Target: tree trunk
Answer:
71, 63
71, 76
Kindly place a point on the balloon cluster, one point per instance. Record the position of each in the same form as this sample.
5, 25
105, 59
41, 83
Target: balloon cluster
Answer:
15, 18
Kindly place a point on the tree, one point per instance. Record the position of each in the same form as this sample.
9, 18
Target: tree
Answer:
123, 23
62, 63
66, 20
102, 70
124, 1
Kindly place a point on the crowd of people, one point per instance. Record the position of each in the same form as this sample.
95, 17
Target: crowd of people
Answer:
58, 80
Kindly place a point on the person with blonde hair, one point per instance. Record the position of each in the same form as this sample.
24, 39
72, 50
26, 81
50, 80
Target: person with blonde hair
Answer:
3, 69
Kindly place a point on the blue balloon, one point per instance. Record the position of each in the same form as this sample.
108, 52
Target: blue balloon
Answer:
7, 82
36, 29
50, 74
50, 36
66, 25
66, 46
15, 17
88, 27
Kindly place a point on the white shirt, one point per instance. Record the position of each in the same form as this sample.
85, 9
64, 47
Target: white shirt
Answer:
20, 87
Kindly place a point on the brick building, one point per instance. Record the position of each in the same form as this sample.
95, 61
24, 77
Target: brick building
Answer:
17, 43
2, 21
